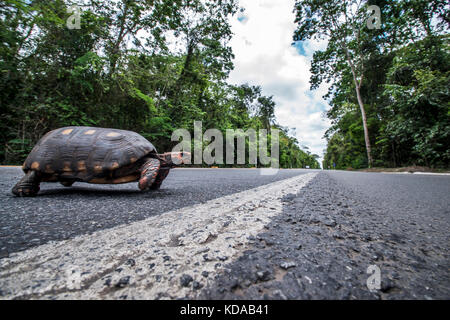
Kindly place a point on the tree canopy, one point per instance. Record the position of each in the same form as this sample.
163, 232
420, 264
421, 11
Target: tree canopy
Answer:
147, 66
389, 86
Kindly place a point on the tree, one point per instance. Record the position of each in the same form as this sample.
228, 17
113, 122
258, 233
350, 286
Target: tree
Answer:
405, 71
121, 70
418, 103
341, 23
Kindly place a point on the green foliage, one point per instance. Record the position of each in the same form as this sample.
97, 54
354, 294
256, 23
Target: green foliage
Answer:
117, 71
404, 82
417, 115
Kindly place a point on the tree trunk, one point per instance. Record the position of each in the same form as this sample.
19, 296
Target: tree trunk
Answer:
366, 130
116, 46
187, 62
361, 107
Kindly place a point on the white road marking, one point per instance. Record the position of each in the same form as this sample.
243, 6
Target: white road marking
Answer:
415, 172
146, 259
433, 173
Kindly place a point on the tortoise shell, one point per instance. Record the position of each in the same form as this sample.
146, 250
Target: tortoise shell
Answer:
83, 153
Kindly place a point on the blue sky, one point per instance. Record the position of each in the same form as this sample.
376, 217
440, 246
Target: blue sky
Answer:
266, 55
298, 45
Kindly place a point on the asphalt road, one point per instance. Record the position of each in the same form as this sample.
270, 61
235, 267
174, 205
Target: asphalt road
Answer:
334, 229
319, 246
60, 213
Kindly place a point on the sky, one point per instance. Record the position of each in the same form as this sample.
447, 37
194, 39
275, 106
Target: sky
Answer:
265, 56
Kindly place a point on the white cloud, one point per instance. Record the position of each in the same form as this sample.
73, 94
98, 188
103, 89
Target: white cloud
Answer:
264, 56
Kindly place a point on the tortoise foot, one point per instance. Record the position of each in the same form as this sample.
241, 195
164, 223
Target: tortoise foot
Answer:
25, 191
155, 186
28, 186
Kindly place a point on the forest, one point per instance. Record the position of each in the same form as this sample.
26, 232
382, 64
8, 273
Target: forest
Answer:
150, 66
389, 84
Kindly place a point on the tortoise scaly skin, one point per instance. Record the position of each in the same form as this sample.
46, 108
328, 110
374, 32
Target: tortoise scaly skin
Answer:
95, 155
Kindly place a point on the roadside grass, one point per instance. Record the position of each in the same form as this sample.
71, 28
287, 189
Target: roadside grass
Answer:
403, 169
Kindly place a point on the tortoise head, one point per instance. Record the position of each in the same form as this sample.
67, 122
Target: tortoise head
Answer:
175, 159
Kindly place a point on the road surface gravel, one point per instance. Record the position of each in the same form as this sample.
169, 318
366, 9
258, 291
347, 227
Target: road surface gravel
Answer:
318, 243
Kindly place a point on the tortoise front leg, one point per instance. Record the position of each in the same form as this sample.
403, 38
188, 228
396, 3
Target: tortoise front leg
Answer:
28, 186
163, 172
149, 172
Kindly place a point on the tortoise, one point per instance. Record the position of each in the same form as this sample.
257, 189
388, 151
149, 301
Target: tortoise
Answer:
95, 155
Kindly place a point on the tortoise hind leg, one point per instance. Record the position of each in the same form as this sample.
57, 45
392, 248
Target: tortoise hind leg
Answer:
149, 172
28, 186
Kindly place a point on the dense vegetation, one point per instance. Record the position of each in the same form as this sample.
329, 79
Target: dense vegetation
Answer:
149, 66
390, 87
